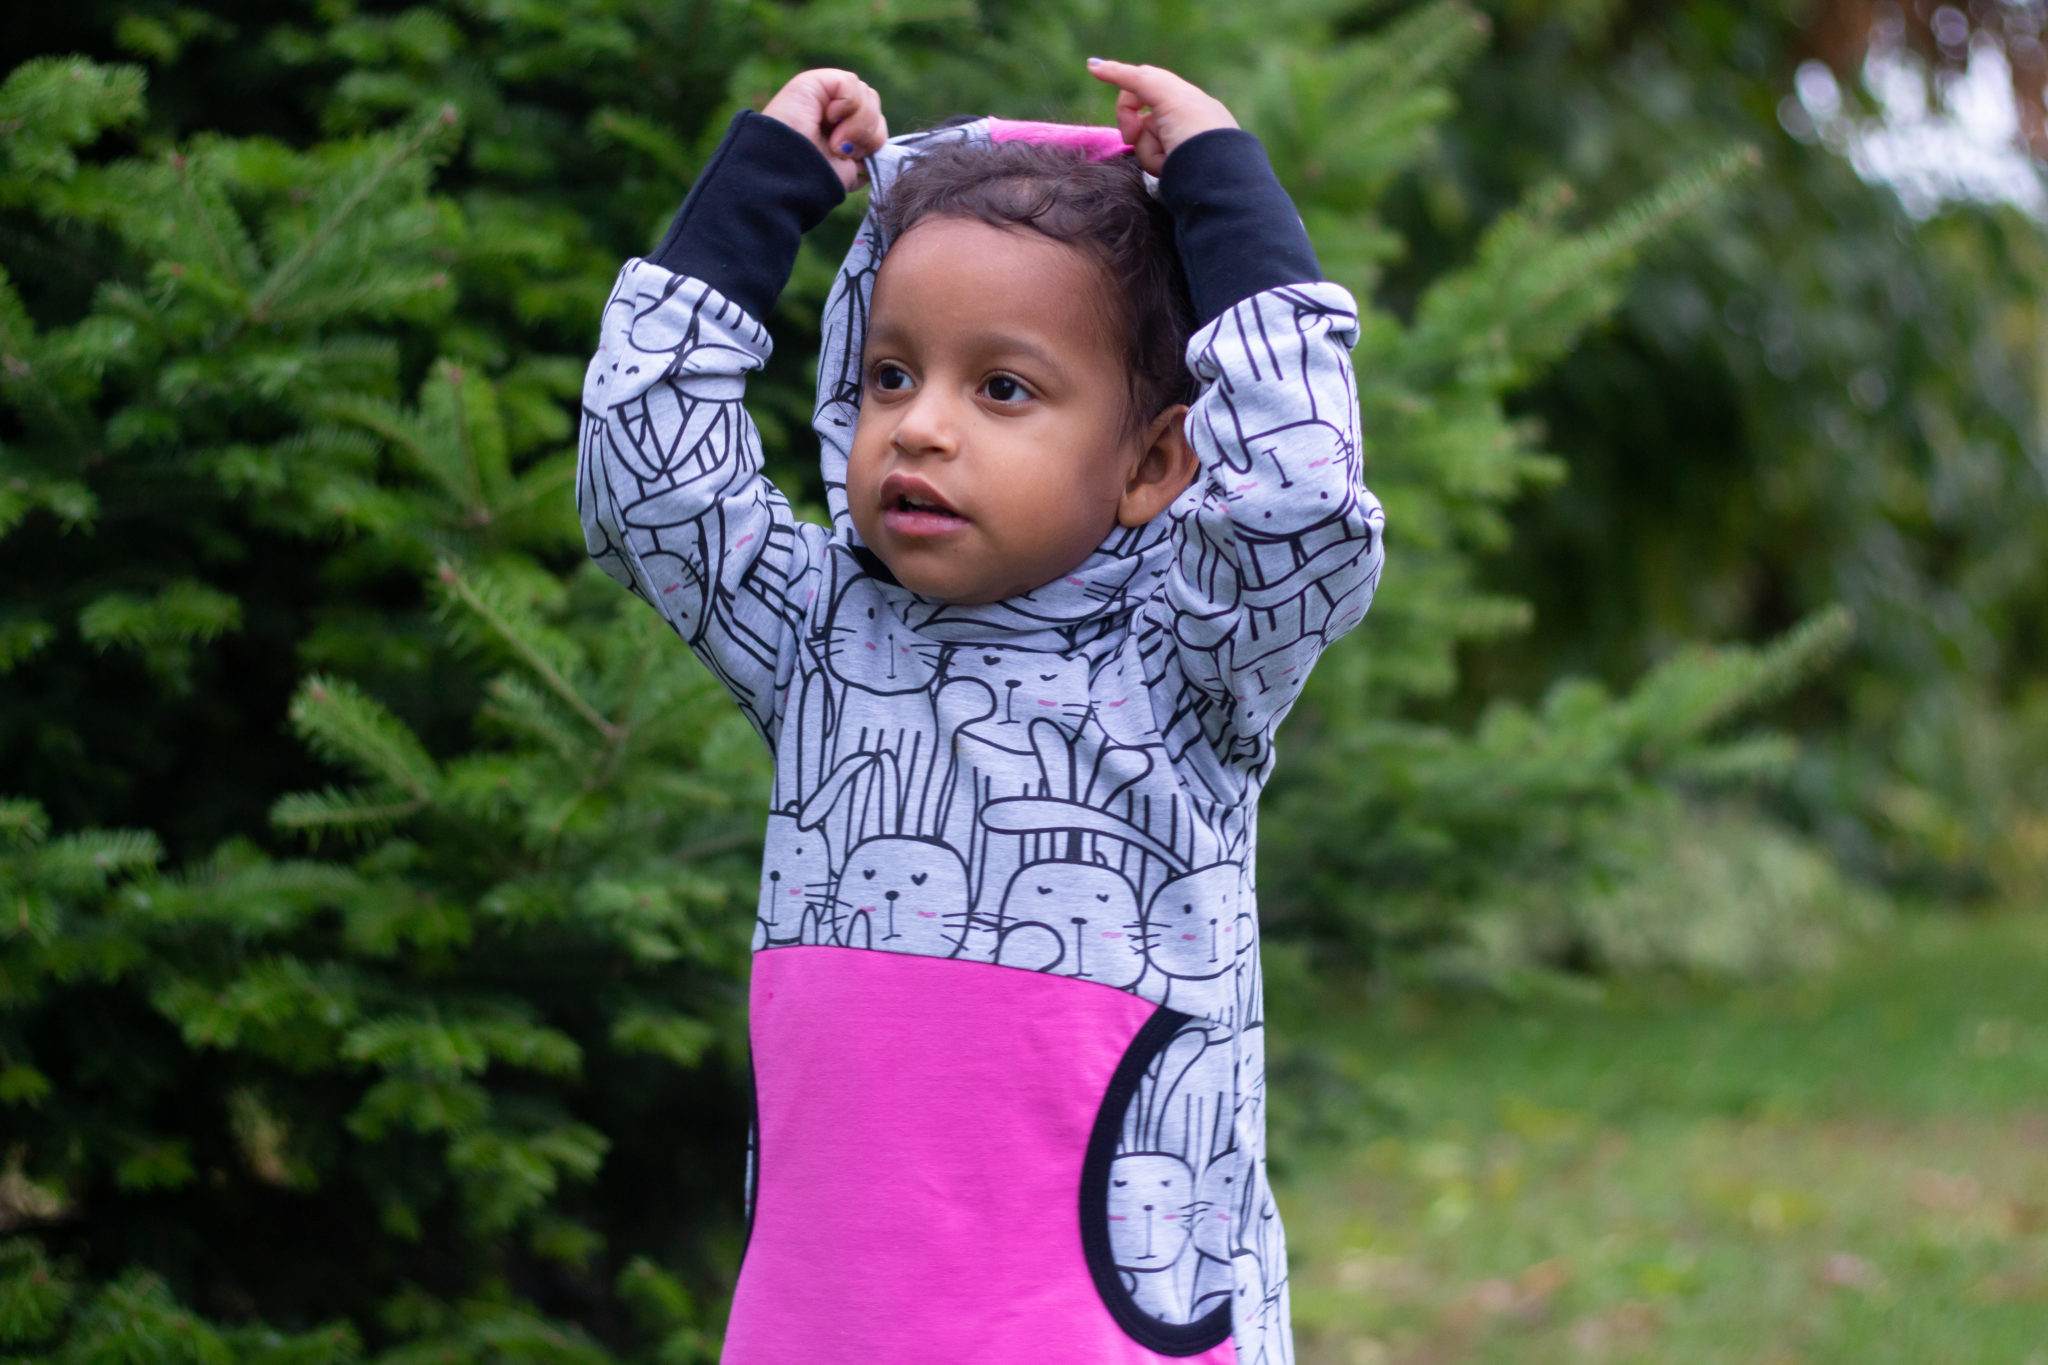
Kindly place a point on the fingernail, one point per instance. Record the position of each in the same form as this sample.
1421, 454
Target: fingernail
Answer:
846, 147
1095, 61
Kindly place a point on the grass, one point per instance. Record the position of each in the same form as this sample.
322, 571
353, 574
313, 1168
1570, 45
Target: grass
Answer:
1848, 1169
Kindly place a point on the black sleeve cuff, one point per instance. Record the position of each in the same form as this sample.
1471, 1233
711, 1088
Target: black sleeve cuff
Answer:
1237, 230
739, 229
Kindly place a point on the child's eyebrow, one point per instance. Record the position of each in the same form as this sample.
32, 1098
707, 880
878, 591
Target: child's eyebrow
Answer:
976, 343
1006, 343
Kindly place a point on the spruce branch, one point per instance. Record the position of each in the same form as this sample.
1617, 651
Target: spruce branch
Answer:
491, 615
20, 638
24, 368
343, 723
1670, 203
350, 810
22, 822
467, 405
185, 612
656, 141
1698, 689
465, 442
51, 105
288, 272
532, 714
1349, 119
544, 484
1531, 288
680, 1038
1748, 761
255, 897
91, 859
203, 214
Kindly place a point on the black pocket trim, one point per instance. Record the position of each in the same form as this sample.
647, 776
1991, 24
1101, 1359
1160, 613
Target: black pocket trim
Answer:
753, 1153
1167, 1338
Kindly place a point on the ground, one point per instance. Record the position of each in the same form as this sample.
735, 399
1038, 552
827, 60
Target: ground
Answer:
1852, 1168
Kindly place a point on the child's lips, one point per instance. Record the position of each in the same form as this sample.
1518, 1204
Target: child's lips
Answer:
911, 507
911, 522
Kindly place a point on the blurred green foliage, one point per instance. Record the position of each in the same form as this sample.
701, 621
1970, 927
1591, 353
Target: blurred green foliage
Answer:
1822, 400
377, 875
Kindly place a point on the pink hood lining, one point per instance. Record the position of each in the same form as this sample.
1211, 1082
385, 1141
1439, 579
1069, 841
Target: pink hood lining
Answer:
1100, 143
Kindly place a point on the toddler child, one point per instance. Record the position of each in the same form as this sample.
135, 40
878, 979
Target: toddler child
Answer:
1005, 1008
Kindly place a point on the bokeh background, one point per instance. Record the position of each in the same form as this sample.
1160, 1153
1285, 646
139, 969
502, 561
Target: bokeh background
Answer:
1654, 884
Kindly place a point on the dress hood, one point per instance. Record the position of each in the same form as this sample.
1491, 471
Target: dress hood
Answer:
1098, 594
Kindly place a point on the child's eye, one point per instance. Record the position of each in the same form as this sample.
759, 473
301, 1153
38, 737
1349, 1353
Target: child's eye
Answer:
891, 378
1004, 389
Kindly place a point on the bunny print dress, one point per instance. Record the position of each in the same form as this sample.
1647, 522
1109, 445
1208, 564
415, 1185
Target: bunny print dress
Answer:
1006, 1014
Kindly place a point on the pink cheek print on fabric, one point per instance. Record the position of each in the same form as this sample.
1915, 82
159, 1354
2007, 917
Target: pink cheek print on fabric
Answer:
923, 1124
1099, 143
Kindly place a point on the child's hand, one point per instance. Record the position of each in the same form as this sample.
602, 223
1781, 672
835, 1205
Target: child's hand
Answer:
839, 112
1156, 110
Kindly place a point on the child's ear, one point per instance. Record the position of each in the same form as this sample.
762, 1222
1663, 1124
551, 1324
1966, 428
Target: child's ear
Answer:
1166, 467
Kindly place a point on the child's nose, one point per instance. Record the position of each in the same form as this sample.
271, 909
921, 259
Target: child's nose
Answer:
927, 426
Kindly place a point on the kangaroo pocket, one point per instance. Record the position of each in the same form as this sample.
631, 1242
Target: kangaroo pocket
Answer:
923, 1128
1163, 1188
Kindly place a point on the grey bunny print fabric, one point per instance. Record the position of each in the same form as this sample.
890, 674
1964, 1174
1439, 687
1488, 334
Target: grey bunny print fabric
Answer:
1061, 786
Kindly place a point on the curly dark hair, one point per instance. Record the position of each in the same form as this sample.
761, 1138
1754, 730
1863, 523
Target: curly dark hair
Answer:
1099, 207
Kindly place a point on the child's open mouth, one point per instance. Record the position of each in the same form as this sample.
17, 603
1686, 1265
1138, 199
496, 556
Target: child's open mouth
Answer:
912, 507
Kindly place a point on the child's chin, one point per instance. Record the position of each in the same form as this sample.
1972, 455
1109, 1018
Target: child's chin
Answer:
954, 590
958, 585
953, 595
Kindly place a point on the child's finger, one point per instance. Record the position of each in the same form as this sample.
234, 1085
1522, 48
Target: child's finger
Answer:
838, 110
860, 129
857, 127
1130, 117
829, 106
1151, 84
834, 84
861, 135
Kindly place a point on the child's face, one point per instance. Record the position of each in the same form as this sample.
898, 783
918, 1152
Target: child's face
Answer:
993, 452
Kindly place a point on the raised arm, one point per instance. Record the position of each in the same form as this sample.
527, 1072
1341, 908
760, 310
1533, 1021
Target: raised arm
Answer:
1279, 552
669, 485
1278, 543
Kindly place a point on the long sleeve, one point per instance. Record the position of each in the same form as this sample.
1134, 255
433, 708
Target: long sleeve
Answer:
669, 482
1278, 546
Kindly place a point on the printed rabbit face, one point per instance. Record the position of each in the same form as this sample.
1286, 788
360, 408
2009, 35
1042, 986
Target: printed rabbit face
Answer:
1192, 926
1027, 685
870, 651
796, 879
1223, 1194
1150, 1196
1285, 497
1122, 708
1090, 908
677, 589
908, 895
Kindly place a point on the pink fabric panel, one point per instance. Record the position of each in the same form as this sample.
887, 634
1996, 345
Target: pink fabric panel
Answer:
1099, 143
922, 1128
